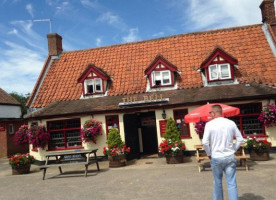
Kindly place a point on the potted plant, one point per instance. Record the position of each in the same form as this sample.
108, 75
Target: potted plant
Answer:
268, 115
172, 147
21, 136
116, 149
258, 148
21, 164
199, 128
38, 136
91, 129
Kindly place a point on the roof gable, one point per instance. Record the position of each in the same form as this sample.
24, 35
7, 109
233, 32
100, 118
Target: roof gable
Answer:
218, 51
92, 69
159, 59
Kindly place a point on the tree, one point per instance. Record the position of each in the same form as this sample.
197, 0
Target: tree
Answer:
171, 131
22, 99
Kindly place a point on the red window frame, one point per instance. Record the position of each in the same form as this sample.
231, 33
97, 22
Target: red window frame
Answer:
159, 70
181, 118
241, 116
85, 85
111, 122
218, 62
64, 130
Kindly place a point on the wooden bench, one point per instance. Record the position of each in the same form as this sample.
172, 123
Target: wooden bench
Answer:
71, 157
201, 156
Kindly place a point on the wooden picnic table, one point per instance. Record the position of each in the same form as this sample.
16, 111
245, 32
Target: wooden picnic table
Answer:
70, 157
201, 156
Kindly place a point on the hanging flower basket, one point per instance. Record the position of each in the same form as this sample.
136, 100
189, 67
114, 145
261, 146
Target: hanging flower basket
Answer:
199, 128
91, 130
268, 115
21, 136
38, 136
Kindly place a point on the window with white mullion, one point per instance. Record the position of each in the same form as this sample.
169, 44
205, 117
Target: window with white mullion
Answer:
213, 72
166, 78
225, 72
98, 85
161, 78
93, 86
89, 86
219, 71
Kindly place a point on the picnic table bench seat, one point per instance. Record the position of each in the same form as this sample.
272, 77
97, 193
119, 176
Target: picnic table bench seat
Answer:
61, 160
239, 155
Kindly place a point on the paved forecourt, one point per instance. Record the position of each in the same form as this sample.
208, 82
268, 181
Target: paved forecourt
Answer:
142, 179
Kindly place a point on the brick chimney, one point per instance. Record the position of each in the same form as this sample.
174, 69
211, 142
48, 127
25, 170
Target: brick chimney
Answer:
268, 11
54, 44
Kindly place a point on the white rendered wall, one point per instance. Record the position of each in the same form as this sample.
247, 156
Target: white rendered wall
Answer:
10, 111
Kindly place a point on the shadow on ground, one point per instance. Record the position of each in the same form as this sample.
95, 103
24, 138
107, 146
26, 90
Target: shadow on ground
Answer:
250, 196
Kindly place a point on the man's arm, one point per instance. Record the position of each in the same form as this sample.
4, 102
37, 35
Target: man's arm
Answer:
239, 138
206, 141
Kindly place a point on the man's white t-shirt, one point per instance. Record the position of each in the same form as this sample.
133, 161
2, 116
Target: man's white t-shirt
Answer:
218, 138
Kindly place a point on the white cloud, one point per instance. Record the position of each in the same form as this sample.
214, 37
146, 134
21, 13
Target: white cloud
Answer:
113, 20
30, 10
98, 42
91, 4
159, 34
19, 68
203, 15
64, 6
13, 32
27, 34
132, 35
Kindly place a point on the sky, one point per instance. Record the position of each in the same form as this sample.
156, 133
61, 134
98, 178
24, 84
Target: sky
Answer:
94, 23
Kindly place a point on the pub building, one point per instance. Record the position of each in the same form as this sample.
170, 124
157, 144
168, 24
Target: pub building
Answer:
135, 87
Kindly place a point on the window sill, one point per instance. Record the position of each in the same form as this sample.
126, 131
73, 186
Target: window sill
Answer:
188, 137
252, 136
64, 149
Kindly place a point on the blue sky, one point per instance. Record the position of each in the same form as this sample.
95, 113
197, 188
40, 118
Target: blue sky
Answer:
92, 23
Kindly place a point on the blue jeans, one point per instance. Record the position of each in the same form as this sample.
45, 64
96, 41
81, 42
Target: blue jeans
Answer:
228, 166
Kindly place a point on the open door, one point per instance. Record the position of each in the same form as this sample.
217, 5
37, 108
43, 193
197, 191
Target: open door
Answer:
131, 124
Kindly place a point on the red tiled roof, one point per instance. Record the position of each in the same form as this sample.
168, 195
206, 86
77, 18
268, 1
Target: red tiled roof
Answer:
7, 99
126, 63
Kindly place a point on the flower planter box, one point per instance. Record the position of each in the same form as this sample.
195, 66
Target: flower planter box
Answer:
21, 169
259, 155
175, 159
117, 161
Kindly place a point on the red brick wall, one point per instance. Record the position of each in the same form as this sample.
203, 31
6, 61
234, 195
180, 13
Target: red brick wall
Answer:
3, 144
7, 146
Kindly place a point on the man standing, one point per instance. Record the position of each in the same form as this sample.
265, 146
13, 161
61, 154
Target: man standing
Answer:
219, 147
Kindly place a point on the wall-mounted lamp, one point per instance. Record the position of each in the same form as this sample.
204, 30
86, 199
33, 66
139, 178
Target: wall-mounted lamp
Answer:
164, 115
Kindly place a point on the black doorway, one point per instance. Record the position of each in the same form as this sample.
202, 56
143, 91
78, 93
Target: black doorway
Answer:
131, 124
149, 134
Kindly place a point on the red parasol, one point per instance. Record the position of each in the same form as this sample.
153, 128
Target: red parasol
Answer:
202, 113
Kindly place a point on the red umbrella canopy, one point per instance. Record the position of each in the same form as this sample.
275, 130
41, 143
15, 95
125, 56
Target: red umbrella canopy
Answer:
202, 113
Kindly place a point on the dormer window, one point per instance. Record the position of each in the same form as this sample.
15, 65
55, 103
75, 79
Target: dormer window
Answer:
219, 71
218, 68
160, 73
93, 86
94, 81
161, 78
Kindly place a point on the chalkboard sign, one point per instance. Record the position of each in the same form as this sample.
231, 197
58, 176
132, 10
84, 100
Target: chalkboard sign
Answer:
75, 157
162, 125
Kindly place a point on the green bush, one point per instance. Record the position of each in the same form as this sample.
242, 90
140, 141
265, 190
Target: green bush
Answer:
172, 133
114, 138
